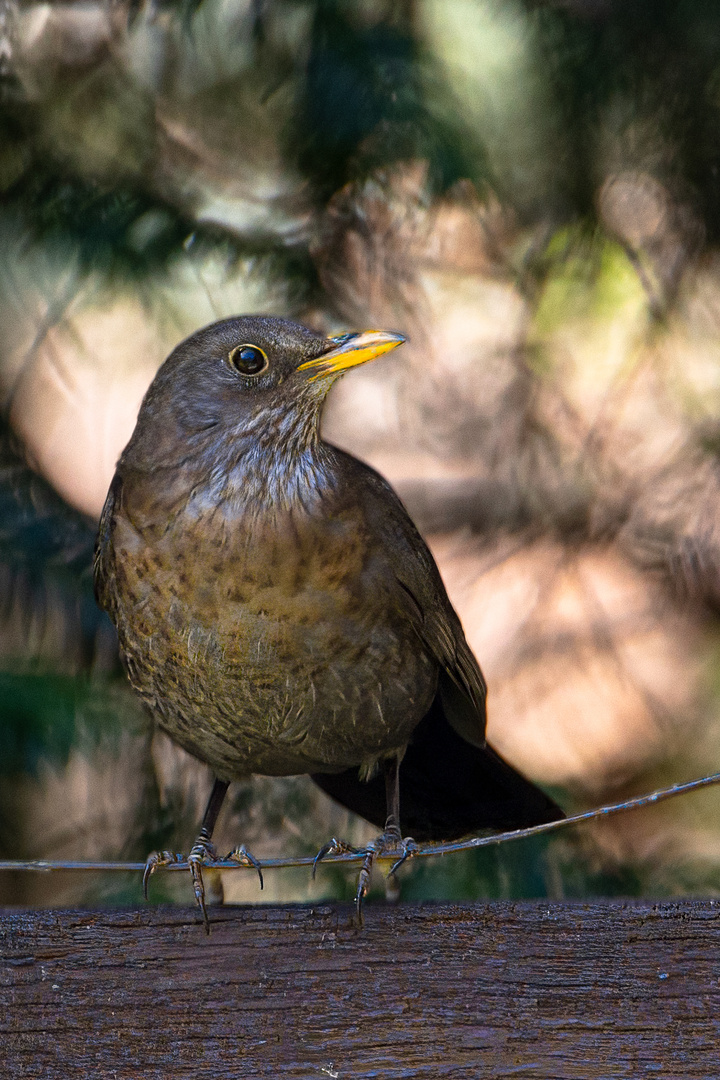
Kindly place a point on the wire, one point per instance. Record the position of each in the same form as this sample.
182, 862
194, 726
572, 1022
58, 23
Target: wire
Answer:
421, 851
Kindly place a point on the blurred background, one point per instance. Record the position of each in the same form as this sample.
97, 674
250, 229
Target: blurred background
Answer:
531, 192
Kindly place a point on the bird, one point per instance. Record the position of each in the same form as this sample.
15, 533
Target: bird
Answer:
276, 608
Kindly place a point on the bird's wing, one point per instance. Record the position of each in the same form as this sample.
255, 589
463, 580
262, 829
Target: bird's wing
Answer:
422, 594
100, 555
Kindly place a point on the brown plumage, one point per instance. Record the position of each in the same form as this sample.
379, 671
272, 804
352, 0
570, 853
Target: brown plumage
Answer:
277, 610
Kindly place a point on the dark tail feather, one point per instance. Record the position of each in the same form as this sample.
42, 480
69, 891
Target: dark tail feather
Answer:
448, 788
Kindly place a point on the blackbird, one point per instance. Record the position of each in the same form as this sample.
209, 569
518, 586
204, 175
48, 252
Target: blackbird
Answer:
277, 610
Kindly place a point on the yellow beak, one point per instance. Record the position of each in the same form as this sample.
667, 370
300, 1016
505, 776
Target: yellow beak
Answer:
352, 350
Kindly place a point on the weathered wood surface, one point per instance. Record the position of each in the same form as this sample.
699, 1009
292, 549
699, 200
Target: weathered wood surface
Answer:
533, 991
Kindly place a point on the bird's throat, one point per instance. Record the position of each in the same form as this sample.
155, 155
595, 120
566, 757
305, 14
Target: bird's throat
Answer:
267, 463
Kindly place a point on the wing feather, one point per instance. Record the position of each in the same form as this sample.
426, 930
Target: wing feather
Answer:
462, 687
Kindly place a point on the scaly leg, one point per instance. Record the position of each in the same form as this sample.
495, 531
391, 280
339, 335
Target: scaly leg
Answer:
202, 853
391, 839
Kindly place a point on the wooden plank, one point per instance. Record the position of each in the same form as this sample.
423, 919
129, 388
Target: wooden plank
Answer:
531, 990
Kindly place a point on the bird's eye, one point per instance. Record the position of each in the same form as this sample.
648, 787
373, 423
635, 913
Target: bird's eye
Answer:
248, 359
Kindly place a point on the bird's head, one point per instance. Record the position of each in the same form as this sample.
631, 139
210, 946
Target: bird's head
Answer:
247, 376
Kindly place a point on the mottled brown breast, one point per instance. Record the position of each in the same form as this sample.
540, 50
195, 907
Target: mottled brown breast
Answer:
264, 640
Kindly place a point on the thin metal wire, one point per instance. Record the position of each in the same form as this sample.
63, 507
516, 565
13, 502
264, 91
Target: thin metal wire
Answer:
425, 851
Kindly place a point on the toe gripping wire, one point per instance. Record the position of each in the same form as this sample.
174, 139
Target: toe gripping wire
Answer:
389, 843
203, 853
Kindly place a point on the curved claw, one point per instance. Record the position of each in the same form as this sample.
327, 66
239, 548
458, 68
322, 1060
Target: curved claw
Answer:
201, 853
199, 890
371, 852
245, 858
333, 847
324, 850
156, 859
408, 848
341, 847
389, 842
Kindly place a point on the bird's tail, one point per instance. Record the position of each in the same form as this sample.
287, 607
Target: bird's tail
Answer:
448, 788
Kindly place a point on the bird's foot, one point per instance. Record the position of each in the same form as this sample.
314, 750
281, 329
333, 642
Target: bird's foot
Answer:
202, 853
242, 856
389, 845
156, 860
334, 847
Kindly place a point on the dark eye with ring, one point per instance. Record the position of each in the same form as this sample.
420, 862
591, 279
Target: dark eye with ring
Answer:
248, 359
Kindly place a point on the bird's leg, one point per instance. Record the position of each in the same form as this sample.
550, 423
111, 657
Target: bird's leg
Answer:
391, 839
392, 798
203, 852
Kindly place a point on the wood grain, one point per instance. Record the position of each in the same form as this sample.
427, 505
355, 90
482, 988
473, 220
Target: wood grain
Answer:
531, 990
